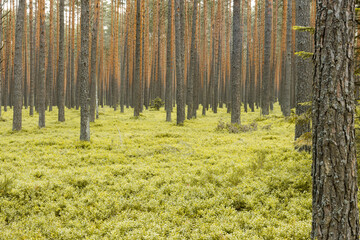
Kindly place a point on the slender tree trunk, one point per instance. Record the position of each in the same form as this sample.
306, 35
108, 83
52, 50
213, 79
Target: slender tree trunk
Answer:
41, 86
49, 72
236, 65
265, 99
93, 78
169, 66
304, 76
191, 79
287, 78
84, 73
61, 67
137, 102
18, 62
179, 29
335, 211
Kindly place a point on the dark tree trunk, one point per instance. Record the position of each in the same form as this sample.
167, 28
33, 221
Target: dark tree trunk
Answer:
93, 78
179, 32
335, 212
18, 61
32, 68
286, 98
236, 65
169, 66
304, 76
41, 85
84, 73
265, 86
137, 90
191, 79
49, 72
61, 67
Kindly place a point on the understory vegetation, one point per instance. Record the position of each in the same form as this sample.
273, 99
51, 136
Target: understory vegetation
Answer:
145, 178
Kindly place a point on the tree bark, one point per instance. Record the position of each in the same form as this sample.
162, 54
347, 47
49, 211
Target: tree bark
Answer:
41, 85
169, 66
236, 65
265, 100
61, 67
94, 80
334, 207
304, 76
84, 73
191, 79
137, 99
288, 77
179, 29
18, 62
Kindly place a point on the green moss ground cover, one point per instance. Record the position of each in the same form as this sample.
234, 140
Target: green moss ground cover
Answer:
149, 179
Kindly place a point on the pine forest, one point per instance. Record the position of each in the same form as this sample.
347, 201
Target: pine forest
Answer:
179, 119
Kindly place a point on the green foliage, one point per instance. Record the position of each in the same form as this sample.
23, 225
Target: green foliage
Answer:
304, 140
156, 104
304, 29
236, 128
151, 179
304, 55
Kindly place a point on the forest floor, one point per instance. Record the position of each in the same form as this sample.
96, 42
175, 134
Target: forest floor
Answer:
150, 179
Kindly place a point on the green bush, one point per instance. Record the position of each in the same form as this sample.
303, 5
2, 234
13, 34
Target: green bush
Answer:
156, 104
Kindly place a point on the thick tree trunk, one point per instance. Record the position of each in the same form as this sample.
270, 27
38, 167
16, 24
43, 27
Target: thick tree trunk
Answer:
335, 212
61, 67
18, 62
84, 73
304, 76
236, 65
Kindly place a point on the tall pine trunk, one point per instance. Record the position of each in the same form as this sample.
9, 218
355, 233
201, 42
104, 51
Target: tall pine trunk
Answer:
334, 206
18, 62
84, 73
61, 67
93, 78
41, 85
236, 65
179, 31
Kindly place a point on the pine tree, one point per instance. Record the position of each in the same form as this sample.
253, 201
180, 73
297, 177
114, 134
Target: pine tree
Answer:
61, 67
18, 67
335, 205
84, 72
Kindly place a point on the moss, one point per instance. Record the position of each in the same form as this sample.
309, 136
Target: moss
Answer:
147, 178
